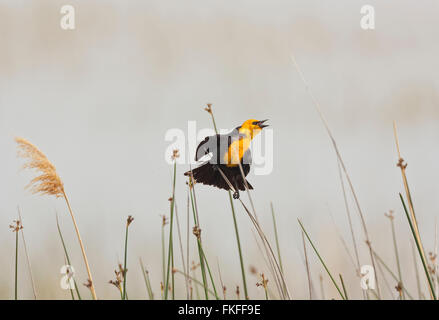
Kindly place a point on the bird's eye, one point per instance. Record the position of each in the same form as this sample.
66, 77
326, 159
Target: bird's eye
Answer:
255, 122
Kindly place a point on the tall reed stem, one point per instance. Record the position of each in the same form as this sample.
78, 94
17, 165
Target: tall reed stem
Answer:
276, 237
322, 261
414, 223
197, 233
171, 245
235, 224
337, 151
92, 287
419, 247
67, 258
124, 294
16, 264
34, 291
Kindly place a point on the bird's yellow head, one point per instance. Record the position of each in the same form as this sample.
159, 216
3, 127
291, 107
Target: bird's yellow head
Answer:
252, 127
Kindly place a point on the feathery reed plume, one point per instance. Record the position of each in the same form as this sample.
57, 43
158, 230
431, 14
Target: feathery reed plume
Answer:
49, 183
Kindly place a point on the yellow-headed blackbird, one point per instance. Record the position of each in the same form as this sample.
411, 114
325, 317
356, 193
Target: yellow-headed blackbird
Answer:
227, 151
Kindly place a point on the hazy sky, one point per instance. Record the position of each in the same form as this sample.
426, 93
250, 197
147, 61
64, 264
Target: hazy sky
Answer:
99, 99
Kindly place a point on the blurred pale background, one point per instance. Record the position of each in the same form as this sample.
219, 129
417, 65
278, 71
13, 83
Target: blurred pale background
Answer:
98, 101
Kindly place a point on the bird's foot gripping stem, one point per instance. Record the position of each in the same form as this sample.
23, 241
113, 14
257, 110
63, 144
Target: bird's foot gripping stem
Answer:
236, 195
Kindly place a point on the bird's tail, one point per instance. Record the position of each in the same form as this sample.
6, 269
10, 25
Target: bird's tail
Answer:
209, 175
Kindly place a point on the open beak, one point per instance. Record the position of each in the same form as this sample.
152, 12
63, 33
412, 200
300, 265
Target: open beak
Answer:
261, 124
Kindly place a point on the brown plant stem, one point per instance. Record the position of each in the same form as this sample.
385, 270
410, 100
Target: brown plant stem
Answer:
92, 287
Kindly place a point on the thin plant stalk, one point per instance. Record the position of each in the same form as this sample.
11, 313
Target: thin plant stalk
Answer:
16, 265
395, 247
210, 274
341, 162
163, 250
415, 265
381, 261
344, 288
263, 255
92, 287
276, 236
402, 165
307, 267
196, 283
386, 283
181, 250
197, 233
145, 274
278, 275
223, 287
171, 245
66, 256
34, 291
50, 183
419, 247
321, 260
270, 254
235, 224
70, 290
238, 243
435, 268
124, 295
187, 235
194, 280
348, 213
322, 288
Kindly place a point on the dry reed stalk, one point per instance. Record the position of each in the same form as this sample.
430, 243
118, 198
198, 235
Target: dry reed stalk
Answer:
34, 291
403, 166
49, 183
272, 258
194, 280
223, 287
276, 236
415, 265
181, 250
395, 247
279, 278
238, 240
348, 213
340, 159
